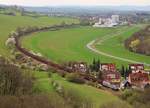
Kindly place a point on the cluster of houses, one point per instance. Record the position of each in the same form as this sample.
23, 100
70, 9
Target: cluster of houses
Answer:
110, 22
111, 77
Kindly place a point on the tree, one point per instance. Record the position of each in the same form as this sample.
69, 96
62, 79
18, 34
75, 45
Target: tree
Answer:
94, 65
13, 81
84, 22
97, 65
100, 75
123, 71
63, 23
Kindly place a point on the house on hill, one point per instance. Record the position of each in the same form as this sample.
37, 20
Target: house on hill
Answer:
136, 67
107, 67
138, 77
77, 66
110, 76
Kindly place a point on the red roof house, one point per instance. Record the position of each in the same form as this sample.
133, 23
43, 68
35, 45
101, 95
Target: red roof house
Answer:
108, 67
136, 67
110, 73
139, 79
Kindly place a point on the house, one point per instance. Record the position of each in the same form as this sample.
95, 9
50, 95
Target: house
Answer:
138, 77
110, 74
108, 22
107, 67
77, 66
136, 67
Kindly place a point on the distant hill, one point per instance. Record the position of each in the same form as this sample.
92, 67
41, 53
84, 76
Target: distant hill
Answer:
89, 9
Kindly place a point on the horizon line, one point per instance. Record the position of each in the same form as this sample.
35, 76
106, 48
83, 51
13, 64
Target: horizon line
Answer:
57, 5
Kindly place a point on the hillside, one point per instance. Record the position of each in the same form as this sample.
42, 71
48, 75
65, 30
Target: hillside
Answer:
10, 23
139, 42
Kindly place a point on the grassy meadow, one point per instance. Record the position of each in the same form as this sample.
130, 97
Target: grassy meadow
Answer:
10, 23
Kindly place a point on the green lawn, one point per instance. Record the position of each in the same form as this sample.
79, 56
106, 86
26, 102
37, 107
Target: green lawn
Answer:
97, 96
10, 23
43, 81
70, 44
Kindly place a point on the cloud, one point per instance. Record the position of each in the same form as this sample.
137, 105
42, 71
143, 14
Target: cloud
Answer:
75, 2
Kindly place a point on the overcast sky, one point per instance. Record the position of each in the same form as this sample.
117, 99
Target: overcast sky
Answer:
74, 2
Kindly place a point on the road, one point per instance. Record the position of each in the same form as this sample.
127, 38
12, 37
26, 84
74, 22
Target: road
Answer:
91, 46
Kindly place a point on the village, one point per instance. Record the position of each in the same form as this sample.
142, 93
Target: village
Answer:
112, 21
136, 78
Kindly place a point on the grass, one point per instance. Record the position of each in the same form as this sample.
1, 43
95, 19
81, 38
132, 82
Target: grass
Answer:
114, 47
70, 44
10, 23
43, 81
97, 96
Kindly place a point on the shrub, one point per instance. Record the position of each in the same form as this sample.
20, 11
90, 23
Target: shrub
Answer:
49, 74
126, 94
62, 74
115, 104
32, 101
14, 81
75, 100
75, 78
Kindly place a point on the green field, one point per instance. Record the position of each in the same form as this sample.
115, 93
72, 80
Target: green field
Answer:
70, 44
10, 23
97, 96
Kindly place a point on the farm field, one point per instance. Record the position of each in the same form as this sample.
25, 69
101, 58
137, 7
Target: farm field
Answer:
10, 23
97, 96
70, 44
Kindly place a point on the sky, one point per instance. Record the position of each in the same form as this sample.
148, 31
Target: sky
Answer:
74, 2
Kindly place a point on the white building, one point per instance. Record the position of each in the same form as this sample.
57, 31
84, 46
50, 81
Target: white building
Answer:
115, 18
108, 22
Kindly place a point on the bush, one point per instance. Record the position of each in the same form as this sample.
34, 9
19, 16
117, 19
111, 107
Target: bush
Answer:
32, 101
75, 100
115, 104
75, 78
62, 74
14, 81
126, 94
49, 74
